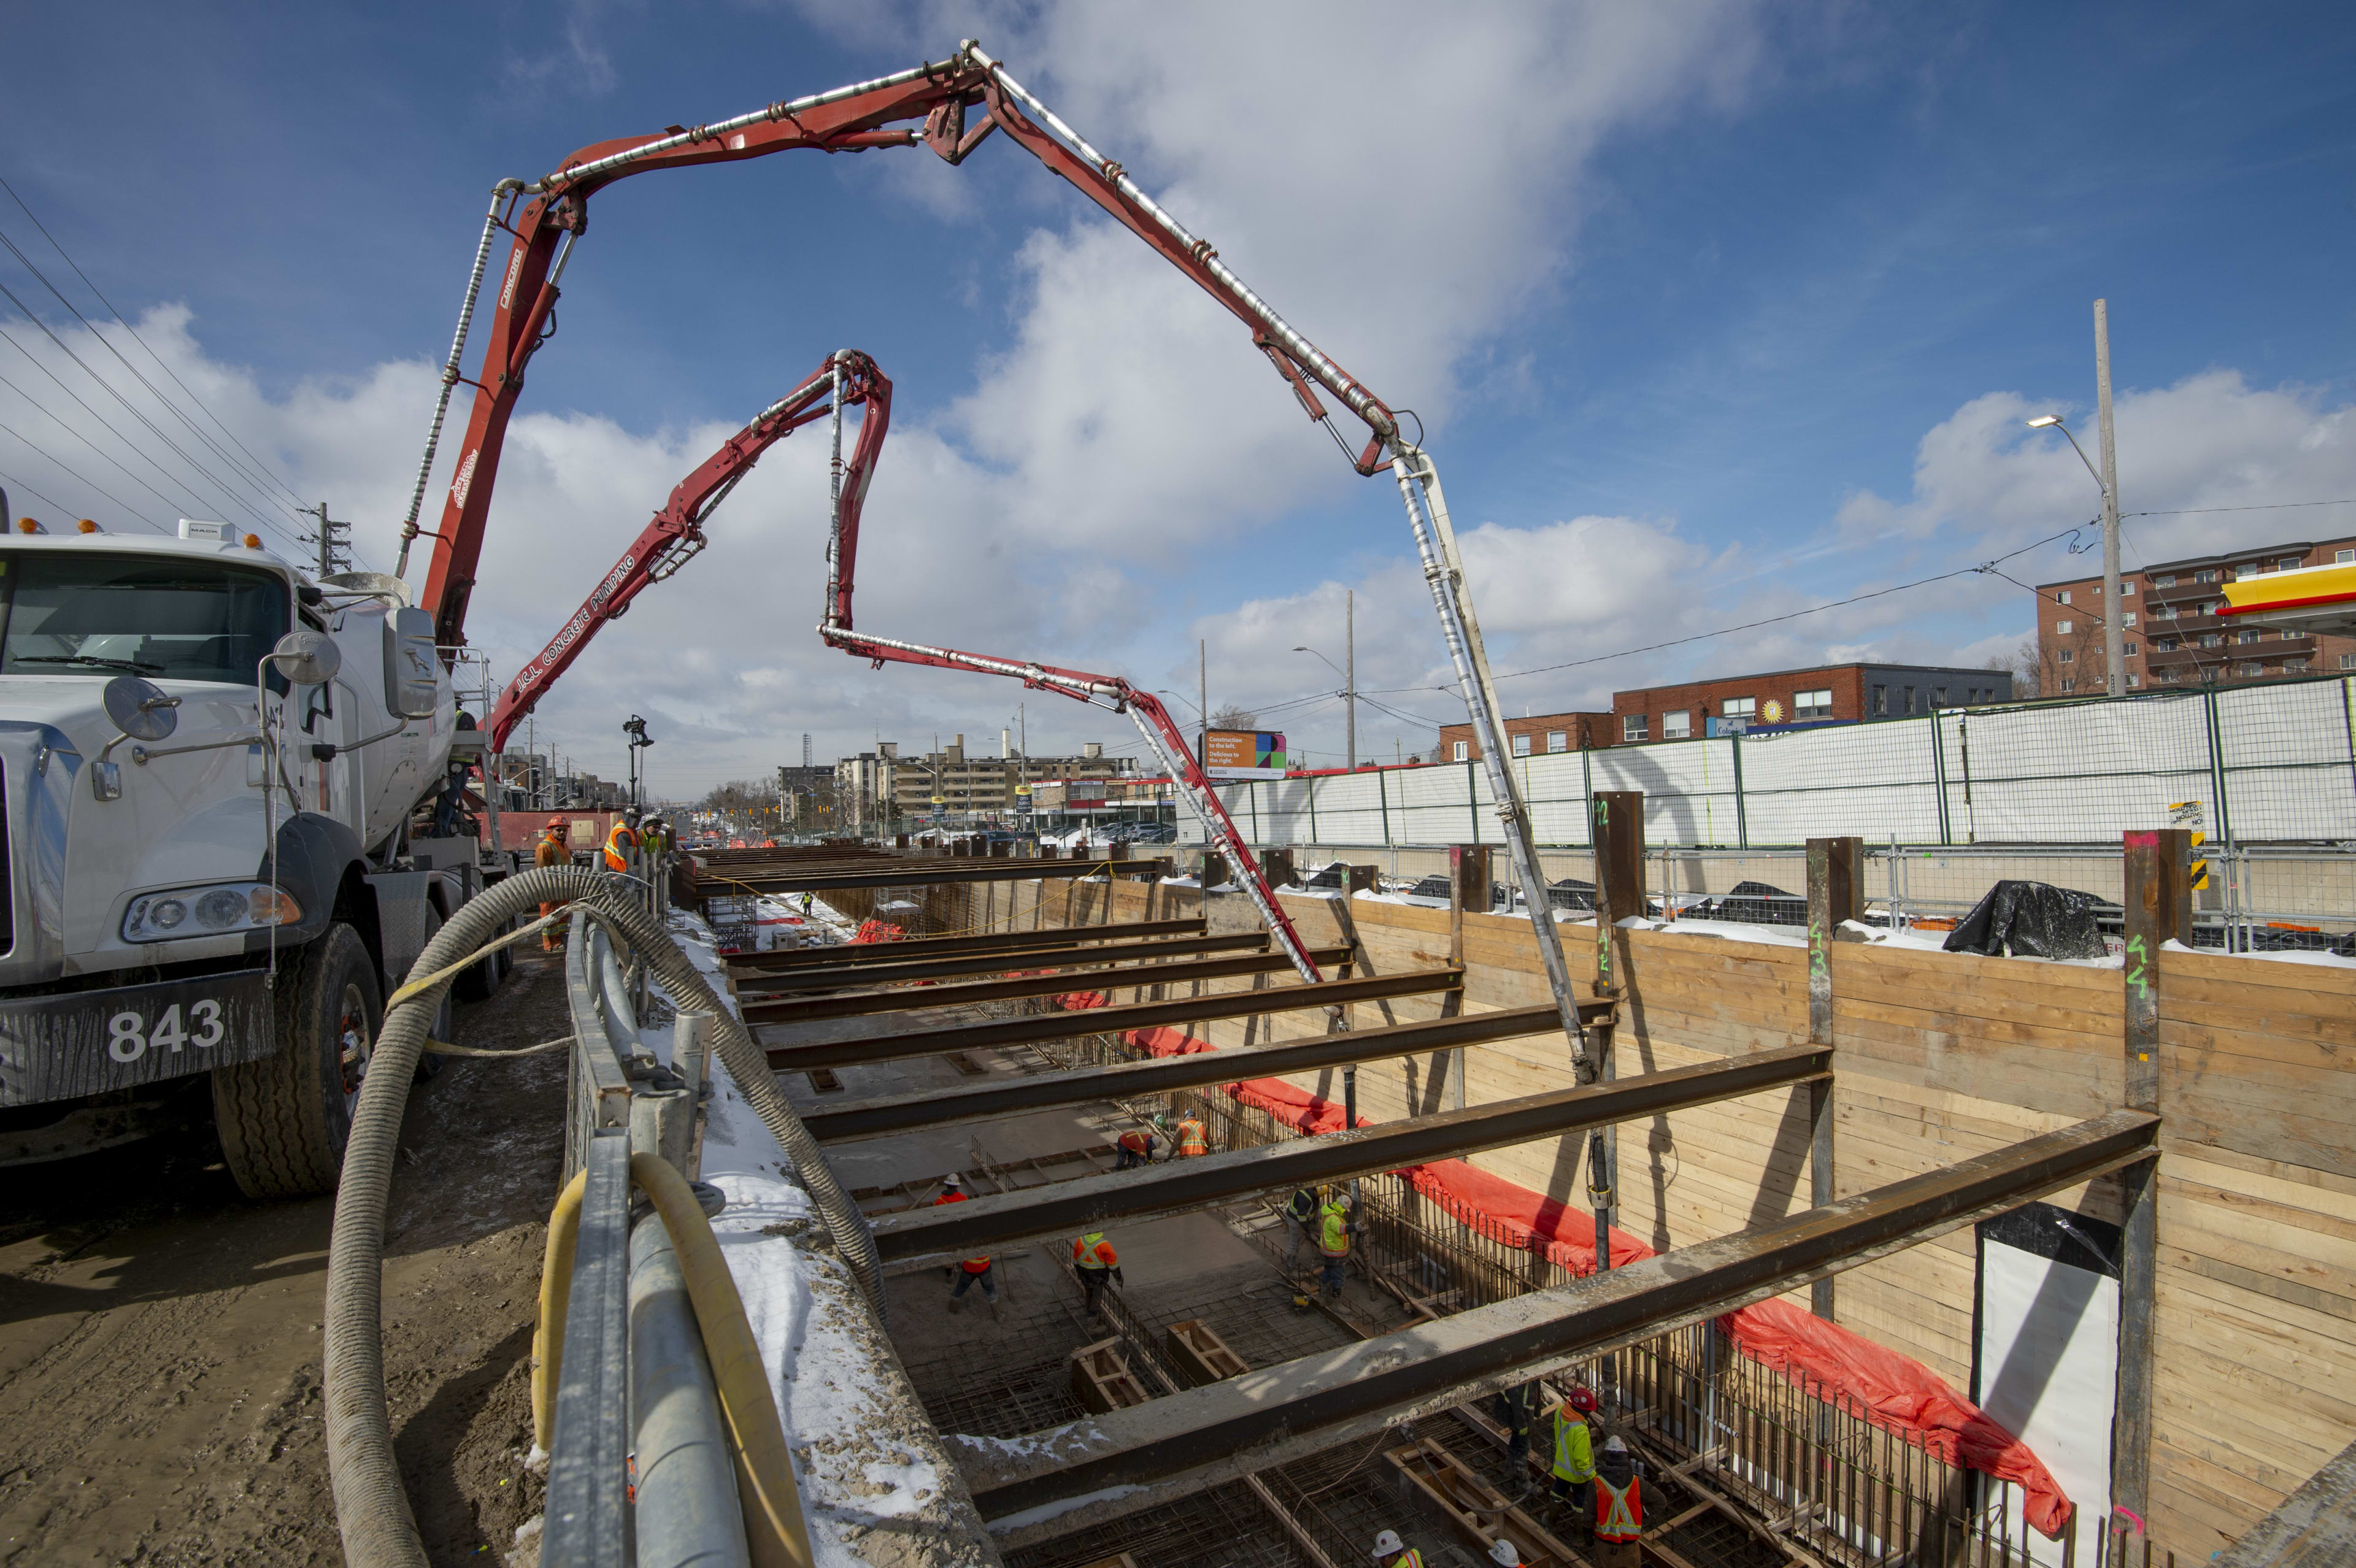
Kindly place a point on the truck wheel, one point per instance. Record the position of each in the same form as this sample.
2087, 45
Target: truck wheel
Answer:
430, 1062
480, 981
284, 1119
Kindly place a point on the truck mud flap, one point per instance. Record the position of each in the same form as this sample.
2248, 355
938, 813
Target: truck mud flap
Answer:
86, 1042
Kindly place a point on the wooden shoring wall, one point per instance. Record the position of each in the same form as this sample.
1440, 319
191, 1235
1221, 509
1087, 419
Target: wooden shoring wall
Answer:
1939, 1057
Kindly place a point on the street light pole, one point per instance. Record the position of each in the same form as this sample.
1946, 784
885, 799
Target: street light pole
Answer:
1350, 672
2113, 618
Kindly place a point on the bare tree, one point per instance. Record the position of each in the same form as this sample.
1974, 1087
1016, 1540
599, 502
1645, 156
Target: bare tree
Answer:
1228, 716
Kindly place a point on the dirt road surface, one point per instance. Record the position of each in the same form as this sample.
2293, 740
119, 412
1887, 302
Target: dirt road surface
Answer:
160, 1334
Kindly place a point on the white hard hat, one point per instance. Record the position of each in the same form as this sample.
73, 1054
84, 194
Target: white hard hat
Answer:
952, 1179
1388, 1542
1502, 1552
1614, 1445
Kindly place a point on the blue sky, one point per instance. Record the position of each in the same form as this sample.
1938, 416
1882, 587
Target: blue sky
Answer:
1713, 312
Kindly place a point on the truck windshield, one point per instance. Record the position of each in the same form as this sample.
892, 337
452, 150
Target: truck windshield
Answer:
105, 615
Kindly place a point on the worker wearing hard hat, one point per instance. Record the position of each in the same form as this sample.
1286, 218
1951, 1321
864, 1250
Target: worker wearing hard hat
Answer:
620, 845
1334, 1224
1097, 1263
972, 1270
1619, 1507
1502, 1553
1574, 1450
1391, 1551
1193, 1139
551, 851
1135, 1147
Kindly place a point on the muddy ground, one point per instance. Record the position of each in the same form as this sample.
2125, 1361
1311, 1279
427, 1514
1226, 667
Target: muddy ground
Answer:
160, 1334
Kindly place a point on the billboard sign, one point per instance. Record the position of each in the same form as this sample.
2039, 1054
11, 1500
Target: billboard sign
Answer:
1243, 754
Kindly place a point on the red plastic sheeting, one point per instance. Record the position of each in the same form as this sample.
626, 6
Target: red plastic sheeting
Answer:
1080, 1001
877, 931
1894, 1391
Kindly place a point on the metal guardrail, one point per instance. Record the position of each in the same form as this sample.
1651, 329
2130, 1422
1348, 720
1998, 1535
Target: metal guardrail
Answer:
635, 1382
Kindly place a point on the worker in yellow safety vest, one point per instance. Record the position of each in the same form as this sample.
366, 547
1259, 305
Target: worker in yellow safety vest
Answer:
1333, 1227
1192, 1140
1391, 1551
1574, 1450
1619, 1507
972, 1270
551, 851
1096, 1260
619, 844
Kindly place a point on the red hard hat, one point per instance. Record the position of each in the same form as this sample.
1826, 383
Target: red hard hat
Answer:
554, 822
1583, 1400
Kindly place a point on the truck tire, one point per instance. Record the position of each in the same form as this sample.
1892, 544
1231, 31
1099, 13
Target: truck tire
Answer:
430, 1062
480, 980
284, 1120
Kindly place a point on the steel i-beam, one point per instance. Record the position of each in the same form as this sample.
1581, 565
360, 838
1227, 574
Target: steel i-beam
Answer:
1150, 1454
943, 947
995, 964
1009, 1096
1103, 1021
921, 873
1179, 1187
906, 998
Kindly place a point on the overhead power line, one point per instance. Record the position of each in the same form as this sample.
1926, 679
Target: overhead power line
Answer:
179, 504
100, 295
59, 462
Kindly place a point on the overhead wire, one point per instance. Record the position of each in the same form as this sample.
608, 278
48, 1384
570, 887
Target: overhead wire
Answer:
259, 489
224, 491
177, 505
143, 342
82, 479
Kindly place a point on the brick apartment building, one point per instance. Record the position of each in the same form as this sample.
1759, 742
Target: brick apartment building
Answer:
2172, 635
1830, 694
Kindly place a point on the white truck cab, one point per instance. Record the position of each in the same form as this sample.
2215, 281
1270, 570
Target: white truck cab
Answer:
208, 867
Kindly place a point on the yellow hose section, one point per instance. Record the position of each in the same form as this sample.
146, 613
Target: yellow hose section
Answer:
555, 1295
764, 1472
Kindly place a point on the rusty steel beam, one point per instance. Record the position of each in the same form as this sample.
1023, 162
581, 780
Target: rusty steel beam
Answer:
994, 963
1115, 1464
942, 947
1180, 1187
921, 873
1014, 1097
1104, 1020
902, 999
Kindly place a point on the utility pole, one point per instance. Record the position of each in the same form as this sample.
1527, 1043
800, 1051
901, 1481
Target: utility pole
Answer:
1350, 668
2113, 614
335, 556
1202, 688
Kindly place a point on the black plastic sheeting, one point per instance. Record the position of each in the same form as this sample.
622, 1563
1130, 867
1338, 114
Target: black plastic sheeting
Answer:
2033, 920
1756, 904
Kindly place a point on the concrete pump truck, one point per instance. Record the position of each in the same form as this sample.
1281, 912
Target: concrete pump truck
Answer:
209, 766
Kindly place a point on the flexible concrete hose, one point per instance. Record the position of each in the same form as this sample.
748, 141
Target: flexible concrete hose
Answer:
555, 1300
371, 1512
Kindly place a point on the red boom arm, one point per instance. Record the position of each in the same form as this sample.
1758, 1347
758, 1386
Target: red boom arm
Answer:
676, 534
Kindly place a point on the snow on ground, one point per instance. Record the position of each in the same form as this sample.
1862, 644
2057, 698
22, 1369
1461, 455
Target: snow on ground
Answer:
866, 1457
2325, 960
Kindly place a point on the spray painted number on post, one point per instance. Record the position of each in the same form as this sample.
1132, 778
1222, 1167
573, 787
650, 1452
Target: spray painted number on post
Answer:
2138, 961
128, 1036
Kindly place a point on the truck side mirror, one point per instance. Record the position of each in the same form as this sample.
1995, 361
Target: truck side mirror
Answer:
411, 665
140, 709
306, 659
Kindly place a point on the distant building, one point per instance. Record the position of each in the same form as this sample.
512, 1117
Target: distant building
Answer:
2171, 634
1829, 694
875, 787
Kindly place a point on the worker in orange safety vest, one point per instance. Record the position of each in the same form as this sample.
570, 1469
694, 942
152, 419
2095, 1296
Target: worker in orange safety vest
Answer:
1096, 1260
551, 851
1192, 1140
619, 845
1134, 1147
972, 1270
1619, 1507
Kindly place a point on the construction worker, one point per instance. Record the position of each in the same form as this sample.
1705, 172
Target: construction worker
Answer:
1333, 1227
1299, 1219
1517, 1407
1134, 1147
1502, 1553
1619, 1507
972, 1270
1192, 1138
1574, 1450
551, 851
1391, 1551
620, 844
1096, 1260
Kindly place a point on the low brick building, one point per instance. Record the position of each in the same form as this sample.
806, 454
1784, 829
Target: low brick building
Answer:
2170, 632
1829, 694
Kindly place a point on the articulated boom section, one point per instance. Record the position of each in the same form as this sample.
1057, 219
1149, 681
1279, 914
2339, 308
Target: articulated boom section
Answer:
929, 105
676, 534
